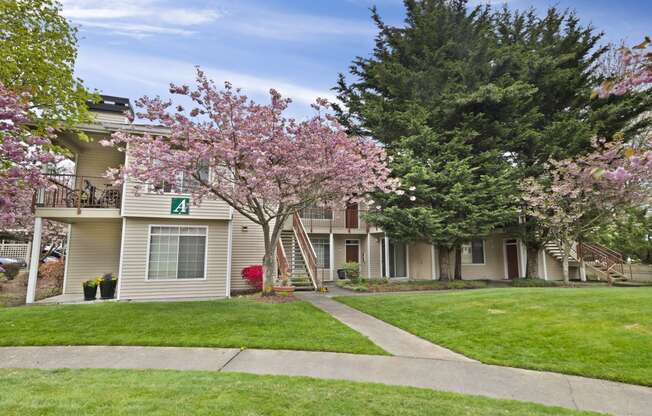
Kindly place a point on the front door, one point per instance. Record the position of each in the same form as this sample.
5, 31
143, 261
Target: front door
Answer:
351, 216
353, 251
511, 257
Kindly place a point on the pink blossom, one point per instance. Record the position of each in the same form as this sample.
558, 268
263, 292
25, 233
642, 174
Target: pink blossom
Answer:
263, 164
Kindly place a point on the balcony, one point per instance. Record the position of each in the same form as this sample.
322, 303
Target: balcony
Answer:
339, 221
78, 192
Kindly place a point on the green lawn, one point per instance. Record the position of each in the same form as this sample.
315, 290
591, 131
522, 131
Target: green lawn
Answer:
226, 323
132, 392
603, 333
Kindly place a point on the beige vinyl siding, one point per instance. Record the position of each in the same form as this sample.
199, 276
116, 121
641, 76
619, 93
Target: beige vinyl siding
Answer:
494, 262
248, 249
144, 204
494, 267
134, 283
94, 160
420, 261
376, 268
555, 270
94, 249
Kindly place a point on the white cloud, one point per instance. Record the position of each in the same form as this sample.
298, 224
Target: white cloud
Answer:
147, 75
294, 27
136, 30
139, 18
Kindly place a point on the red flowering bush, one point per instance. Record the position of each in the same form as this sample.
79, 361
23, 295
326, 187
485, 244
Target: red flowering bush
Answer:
254, 276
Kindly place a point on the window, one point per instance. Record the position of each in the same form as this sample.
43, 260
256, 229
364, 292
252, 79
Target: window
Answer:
316, 213
473, 252
322, 248
176, 252
183, 183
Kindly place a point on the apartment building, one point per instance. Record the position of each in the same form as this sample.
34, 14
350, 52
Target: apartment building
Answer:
162, 246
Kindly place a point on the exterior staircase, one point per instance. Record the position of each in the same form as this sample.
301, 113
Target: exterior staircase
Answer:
606, 263
558, 253
297, 256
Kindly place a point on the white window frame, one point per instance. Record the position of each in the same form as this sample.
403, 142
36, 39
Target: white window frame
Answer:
327, 240
151, 188
176, 279
326, 213
484, 253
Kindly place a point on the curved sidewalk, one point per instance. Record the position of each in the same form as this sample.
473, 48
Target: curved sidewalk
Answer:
444, 375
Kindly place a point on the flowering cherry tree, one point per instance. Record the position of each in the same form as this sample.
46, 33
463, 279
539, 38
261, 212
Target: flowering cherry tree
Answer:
636, 71
264, 165
22, 156
577, 196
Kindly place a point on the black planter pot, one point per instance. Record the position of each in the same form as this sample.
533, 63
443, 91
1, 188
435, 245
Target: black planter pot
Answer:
107, 289
90, 292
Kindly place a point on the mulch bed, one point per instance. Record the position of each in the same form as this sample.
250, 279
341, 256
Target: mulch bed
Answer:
271, 299
13, 292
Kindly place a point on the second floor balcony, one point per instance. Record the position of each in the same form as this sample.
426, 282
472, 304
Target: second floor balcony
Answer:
347, 220
75, 191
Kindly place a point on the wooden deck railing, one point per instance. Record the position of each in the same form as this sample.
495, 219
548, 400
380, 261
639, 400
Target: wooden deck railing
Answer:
282, 262
72, 191
351, 220
609, 260
307, 250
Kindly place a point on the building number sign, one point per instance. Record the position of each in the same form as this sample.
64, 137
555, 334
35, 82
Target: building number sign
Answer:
180, 206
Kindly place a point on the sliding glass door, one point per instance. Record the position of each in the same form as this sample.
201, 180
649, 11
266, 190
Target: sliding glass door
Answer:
397, 259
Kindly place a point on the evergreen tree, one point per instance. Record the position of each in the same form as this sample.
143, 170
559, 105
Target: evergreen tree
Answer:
562, 61
472, 102
429, 94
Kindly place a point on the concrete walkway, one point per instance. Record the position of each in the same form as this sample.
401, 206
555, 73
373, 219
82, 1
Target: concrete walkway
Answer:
444, 375
388, 337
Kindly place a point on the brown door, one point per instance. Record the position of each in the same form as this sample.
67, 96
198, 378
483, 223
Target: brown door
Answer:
352, 216
511, 254
352, 253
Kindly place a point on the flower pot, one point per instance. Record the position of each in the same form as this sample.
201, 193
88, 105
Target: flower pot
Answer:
284, 290
107, 288
89, 292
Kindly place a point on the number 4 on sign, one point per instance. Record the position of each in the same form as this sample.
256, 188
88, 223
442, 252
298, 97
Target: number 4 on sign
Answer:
180, 206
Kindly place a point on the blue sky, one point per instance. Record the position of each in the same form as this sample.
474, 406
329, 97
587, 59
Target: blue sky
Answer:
136, 47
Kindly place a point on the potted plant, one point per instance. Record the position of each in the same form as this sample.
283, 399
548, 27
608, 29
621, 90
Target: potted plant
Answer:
90, 289
352, 271
285, 289
107, 286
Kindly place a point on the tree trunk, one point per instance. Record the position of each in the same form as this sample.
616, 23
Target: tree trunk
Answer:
532, 265
444, 263
458, 263
268, 273
565, 272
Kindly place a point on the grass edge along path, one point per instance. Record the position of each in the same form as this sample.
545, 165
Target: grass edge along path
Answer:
165, 392
599, 333
233, 323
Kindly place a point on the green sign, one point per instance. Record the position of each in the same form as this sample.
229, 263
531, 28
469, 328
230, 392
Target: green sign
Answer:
180, 206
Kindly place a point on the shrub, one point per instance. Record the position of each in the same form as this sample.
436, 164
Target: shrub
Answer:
254, 276
52, 271
352, 270
533, 283
10, 270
